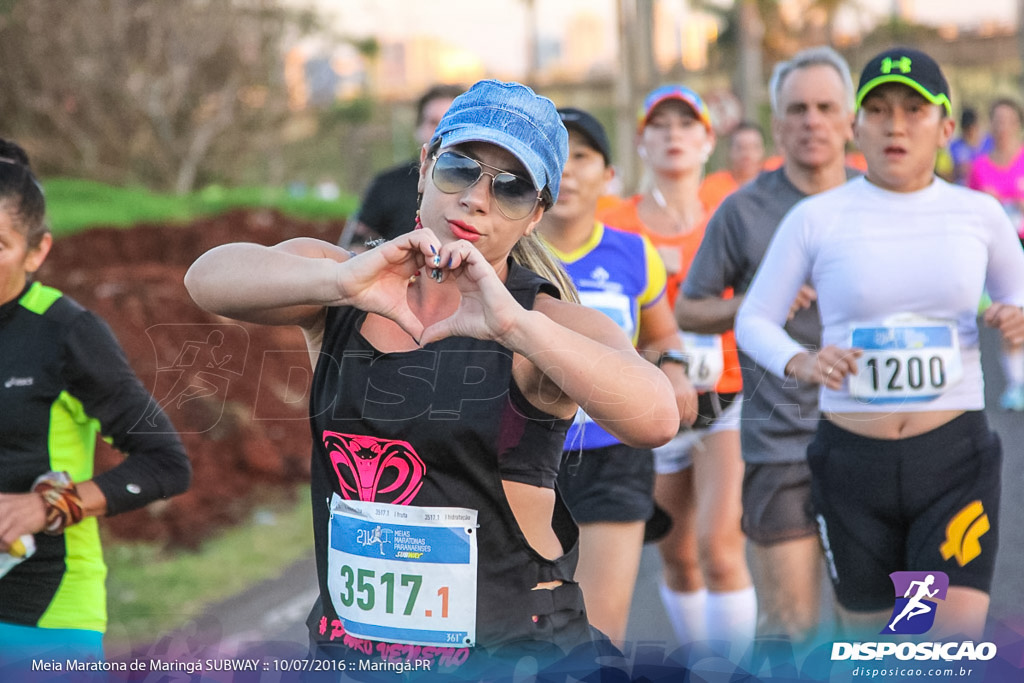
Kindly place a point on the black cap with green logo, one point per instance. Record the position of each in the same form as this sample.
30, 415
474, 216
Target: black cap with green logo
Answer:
910, 67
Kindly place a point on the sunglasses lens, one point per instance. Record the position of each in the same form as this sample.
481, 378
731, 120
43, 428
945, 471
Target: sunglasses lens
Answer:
454, 173
515, 196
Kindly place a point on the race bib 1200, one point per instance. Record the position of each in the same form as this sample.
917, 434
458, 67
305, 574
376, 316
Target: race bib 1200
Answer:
907, 358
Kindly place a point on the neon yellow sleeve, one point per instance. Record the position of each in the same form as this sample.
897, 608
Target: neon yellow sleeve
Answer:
656, 276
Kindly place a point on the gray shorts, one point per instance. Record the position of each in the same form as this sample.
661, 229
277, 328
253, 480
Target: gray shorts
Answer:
777, 502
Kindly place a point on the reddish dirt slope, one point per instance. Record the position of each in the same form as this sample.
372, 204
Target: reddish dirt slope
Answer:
236, 392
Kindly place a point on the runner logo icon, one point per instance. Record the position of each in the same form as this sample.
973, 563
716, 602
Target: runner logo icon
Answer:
916, 595
376, 536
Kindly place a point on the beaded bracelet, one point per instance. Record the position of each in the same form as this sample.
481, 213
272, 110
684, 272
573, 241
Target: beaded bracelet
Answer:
63, 504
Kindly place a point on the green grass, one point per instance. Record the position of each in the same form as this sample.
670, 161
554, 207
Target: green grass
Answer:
151, 591
73, 205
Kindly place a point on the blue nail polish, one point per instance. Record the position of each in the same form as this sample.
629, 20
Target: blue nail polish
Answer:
432, 250
450, 259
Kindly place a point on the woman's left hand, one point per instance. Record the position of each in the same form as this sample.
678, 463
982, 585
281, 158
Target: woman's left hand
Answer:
20, 513
487, 309
1009, 320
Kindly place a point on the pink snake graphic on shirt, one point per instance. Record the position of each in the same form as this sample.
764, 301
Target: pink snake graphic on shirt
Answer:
375, 470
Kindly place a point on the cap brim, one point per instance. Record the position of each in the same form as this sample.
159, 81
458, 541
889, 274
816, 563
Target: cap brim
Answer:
941, 100
520, 150
591, 140
697, 113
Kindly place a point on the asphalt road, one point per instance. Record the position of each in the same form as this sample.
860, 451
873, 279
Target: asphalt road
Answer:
274, 612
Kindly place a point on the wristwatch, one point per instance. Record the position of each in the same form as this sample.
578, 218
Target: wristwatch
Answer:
675, 356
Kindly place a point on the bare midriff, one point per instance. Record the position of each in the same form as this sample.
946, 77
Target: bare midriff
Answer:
892, 425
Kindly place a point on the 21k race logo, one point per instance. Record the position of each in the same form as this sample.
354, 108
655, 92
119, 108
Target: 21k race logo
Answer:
916, 596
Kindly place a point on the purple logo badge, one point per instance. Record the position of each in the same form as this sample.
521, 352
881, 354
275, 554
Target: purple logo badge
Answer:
916, 595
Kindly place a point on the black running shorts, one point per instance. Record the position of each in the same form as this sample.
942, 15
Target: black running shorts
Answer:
610, 484
924, 503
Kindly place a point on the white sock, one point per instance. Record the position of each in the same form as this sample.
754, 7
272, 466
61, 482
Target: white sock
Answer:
732, 617
1013, 367
686, 613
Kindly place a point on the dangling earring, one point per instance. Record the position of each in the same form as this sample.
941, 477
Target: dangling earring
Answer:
419, 226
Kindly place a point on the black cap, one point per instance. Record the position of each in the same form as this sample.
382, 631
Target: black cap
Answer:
910, 67
590, 128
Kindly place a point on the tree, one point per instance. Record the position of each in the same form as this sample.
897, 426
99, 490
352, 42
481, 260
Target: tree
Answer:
1020, 38
142, 90
760, 33
750, 39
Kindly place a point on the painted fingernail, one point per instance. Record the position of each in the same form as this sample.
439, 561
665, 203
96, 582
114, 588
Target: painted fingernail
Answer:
432, 250
435, 274
450, 259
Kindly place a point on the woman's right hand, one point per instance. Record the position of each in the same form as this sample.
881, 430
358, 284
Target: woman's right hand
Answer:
829, 366
686, 395
377, 280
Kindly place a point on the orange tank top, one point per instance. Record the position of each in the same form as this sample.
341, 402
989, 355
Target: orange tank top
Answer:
677, 252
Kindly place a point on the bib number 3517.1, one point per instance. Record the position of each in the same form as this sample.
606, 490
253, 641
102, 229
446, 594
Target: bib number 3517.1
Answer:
404, 574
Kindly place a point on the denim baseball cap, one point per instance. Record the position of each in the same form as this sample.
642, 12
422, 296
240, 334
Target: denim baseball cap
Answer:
680, 93
513, 117
909, 67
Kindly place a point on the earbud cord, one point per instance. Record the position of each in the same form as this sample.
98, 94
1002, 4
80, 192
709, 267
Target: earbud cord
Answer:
681, 225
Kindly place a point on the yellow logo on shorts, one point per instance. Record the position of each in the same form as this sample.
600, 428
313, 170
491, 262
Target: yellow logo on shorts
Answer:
963, 532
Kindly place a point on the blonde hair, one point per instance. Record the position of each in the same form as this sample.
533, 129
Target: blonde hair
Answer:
531, 253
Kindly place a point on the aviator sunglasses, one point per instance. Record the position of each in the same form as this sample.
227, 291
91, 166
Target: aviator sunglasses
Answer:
514, 196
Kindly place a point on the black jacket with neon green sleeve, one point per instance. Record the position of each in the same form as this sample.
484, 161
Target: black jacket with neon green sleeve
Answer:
63, 380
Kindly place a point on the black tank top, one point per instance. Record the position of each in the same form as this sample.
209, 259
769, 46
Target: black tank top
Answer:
439, 427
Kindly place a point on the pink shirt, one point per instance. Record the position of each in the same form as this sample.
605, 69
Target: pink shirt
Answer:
1005, 183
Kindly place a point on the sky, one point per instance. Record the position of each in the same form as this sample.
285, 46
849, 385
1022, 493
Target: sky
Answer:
496, 29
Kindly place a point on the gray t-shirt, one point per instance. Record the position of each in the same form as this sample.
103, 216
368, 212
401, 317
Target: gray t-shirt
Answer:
778, 416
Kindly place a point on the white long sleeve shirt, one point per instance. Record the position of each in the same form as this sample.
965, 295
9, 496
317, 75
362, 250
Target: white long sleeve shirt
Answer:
871, 255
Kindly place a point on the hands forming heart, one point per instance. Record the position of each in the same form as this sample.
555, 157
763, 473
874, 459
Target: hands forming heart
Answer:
378, 281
